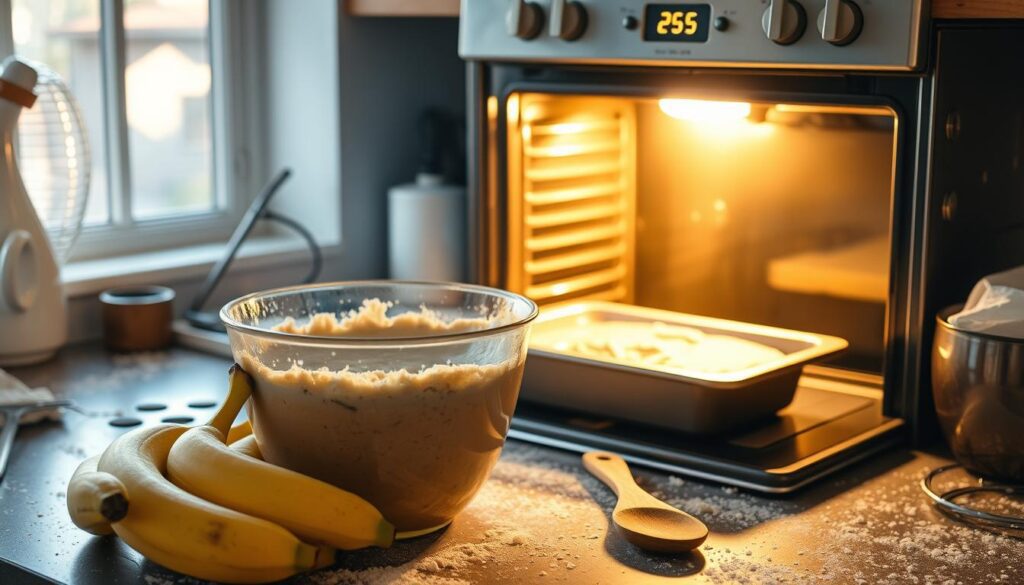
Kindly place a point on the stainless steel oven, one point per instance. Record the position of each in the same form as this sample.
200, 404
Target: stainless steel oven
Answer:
844, 168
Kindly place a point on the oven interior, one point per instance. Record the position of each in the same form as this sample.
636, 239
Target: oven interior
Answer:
755, 211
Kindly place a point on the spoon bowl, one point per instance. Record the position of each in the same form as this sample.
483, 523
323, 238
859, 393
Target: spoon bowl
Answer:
660, 529
642, 519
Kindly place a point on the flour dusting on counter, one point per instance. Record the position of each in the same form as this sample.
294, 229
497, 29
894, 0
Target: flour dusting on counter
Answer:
126, 368
439, 568
522, 493
911, 541
869, 533
726, 508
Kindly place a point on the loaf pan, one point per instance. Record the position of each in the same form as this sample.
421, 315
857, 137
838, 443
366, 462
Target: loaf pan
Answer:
688, 401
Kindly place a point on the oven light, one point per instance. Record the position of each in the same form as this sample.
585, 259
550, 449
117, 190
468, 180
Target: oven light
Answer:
703, 110
512, 109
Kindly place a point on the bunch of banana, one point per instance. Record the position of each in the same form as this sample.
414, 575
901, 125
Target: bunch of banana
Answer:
203, 464
191, 535
224, 514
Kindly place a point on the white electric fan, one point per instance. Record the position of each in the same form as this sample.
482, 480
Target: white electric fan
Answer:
44, 184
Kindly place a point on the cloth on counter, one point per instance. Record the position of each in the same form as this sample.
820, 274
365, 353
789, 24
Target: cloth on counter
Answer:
995, 306
14, 392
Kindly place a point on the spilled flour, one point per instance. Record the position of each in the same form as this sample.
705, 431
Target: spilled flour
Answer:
725, 509
541, 519
883, 531
546, 521
517, 520
440, 568
128, 368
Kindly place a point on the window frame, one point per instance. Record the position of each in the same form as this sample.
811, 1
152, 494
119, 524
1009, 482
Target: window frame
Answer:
235, 106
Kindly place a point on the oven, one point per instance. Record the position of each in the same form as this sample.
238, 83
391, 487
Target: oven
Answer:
842, 168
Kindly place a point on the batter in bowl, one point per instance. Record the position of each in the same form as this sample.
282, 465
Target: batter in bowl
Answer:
371, 320
415, 443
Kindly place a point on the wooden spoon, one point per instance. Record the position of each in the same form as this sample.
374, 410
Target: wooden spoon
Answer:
642, 518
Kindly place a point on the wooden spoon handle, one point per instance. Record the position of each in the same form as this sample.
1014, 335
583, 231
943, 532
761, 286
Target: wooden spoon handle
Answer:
610, 469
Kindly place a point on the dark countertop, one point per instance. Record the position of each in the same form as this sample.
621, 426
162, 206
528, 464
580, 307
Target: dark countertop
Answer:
539, 519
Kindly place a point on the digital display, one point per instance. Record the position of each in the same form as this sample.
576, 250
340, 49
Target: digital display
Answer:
680, 23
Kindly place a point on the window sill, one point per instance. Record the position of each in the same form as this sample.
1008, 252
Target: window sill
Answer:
89, 277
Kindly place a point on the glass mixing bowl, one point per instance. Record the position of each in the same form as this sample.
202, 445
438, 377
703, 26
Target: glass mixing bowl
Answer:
408, 412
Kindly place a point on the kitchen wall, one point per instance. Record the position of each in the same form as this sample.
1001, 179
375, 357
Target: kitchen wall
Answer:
353, 134
342, 98
391, 68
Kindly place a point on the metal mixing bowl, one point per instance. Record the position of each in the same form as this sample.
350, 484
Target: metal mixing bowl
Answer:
978, 386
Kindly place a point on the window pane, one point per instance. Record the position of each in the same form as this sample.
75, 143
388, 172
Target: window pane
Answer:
64, 35
167, 94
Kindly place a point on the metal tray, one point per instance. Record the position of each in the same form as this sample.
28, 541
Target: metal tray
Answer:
689, 401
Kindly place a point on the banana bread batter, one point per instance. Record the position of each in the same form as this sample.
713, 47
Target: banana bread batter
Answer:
657, 344
417, 442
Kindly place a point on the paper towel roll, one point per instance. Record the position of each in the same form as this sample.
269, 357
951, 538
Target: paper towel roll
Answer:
427, 230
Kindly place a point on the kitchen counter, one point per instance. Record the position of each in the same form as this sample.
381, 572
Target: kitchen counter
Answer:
539, 519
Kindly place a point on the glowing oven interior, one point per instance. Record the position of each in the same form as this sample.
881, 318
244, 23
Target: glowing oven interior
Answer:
767, 213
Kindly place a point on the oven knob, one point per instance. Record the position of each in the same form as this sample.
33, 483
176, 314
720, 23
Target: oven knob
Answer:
840, 22
568, 20
524, 19
784, 21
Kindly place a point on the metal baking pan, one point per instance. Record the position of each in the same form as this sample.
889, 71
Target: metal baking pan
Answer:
684, 400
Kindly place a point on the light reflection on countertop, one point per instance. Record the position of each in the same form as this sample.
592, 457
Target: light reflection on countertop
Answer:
539, 519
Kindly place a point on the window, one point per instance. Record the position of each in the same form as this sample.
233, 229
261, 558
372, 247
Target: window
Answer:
152, 78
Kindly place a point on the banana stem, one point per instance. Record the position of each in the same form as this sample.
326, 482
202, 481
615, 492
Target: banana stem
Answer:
114, 507
239, 390
325, 557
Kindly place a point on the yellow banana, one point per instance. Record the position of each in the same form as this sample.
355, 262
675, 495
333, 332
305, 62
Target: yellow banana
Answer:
240, 386
247, 446
95, 499
202, 464
202, 569
189, 534
162, 554
239, 431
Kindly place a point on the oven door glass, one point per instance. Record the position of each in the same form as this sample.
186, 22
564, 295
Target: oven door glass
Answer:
769, 213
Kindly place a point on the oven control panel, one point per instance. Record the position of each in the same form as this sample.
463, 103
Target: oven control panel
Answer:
798, 34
